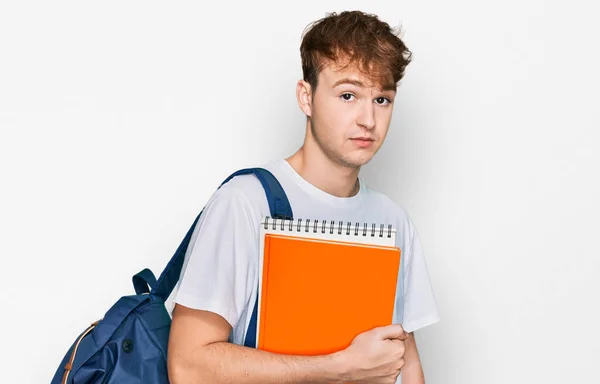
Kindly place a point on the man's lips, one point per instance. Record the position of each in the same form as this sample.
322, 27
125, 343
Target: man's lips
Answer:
362, 141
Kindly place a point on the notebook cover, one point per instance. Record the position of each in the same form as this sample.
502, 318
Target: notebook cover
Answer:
317, 294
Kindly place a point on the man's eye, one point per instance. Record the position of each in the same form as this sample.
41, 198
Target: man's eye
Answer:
382, 100
347, 96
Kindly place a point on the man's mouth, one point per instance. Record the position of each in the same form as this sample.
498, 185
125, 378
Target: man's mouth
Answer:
362, 142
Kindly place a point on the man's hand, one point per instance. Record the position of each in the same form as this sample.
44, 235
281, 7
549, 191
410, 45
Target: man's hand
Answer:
198, 352
375, 356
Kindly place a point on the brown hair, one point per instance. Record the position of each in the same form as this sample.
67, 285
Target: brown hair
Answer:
360, 39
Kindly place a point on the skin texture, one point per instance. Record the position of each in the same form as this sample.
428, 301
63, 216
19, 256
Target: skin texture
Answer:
347, 122
339, 112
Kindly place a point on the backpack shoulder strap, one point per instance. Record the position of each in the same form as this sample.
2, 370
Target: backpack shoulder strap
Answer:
279, 207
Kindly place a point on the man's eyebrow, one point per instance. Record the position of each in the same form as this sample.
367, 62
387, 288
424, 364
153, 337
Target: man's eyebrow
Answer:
358, 83
347, 80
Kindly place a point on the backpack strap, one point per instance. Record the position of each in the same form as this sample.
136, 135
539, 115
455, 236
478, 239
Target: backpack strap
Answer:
279, 207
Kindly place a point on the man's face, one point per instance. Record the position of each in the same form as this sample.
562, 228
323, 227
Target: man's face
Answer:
350, 116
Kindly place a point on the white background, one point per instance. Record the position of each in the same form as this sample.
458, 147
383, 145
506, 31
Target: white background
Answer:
119, 119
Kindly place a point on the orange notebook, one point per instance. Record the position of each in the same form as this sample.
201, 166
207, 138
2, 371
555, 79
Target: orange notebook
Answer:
323, 283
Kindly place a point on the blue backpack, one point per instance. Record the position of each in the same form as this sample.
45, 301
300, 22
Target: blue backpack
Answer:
129, 344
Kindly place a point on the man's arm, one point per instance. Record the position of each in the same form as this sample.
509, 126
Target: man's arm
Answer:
412, 372
199, 352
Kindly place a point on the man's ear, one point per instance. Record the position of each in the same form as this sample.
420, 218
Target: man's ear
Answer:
304, 96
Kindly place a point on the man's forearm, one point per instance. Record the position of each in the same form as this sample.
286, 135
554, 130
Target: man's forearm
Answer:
224, 363
412, 372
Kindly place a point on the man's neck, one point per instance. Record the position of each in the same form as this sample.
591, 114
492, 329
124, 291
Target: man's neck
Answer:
324, 174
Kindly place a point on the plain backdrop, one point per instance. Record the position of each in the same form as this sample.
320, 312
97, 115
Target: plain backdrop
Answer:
119, 119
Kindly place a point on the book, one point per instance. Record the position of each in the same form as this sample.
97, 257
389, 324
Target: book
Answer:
322, 283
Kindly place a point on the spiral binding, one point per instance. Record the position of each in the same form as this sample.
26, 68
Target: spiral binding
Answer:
323, 226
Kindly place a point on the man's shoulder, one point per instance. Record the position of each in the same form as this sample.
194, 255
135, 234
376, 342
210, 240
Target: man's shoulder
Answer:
244, 189
385, 203
242, 185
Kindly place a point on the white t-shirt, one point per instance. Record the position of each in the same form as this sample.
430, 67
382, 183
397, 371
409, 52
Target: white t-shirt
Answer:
220, 271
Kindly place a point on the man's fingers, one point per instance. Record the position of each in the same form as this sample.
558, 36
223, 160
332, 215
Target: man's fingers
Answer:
394, 331
403, 336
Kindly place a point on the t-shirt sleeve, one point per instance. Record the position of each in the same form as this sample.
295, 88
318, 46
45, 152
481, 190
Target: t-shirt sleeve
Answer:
220, 268
420, 308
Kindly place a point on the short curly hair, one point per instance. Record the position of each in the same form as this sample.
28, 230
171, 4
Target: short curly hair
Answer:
354, 38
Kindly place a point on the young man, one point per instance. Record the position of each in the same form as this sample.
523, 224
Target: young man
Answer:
352, 63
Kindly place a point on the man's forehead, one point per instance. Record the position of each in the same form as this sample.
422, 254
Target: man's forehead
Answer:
335, 76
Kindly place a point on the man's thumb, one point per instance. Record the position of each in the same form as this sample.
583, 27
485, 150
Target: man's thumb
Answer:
394, 331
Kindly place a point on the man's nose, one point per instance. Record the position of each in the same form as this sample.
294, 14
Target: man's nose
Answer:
367, 116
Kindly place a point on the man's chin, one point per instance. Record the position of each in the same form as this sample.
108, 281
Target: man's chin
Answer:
356, 162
